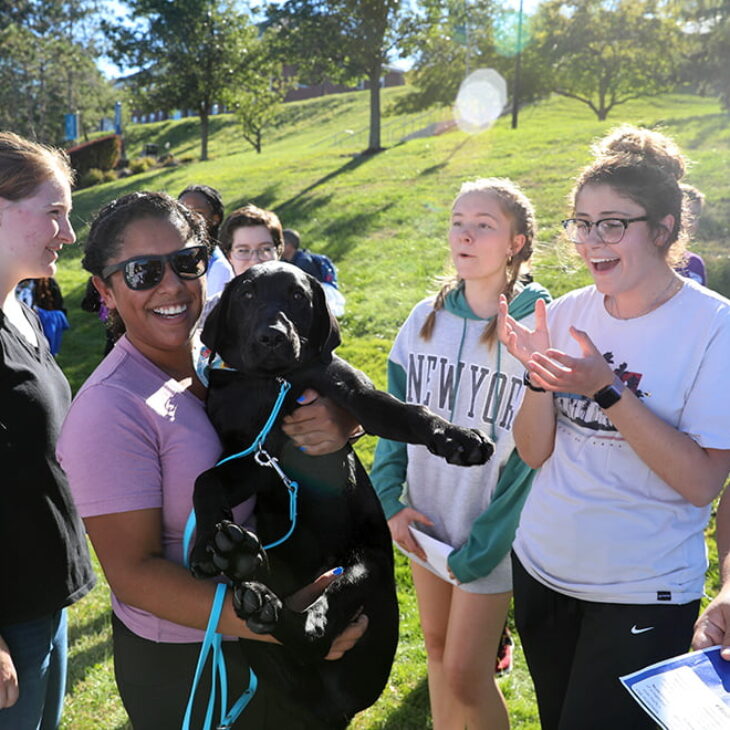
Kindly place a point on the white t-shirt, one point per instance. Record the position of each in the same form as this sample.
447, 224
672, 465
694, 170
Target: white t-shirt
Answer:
599, 524
219, 273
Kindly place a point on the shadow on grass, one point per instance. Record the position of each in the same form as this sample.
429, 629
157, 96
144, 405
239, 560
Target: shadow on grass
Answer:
100, 622
83, 662
702, 128
265, 199
413, 713
284, 209
439, 166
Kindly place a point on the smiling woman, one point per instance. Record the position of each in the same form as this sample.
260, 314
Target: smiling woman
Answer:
143, 408
626, 418
44, 563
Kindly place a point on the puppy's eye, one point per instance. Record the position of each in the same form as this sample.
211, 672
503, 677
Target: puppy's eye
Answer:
247, 295
297, 295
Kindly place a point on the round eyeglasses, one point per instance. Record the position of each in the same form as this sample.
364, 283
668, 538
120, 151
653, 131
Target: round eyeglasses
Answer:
145, 272
265, 253
609, 230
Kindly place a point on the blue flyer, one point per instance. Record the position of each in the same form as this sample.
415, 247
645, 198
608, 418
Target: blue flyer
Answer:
688, 692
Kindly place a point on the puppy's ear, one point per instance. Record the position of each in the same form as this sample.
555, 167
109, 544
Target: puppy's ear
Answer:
215, 330
325, 333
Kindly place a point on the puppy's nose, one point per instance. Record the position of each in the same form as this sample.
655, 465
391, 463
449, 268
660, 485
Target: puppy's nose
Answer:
271, 337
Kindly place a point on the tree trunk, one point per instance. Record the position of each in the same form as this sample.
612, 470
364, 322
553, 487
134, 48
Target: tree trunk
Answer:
203, 132
374, 80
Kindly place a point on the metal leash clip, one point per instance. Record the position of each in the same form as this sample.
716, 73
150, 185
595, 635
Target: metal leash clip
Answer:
263, 458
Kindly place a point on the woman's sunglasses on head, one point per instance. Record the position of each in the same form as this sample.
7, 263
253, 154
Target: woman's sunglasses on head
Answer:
144, 272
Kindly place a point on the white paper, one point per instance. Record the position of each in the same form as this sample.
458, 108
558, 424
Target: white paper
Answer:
688, 692
437, 553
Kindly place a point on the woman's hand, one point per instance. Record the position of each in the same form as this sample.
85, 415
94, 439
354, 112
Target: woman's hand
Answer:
8, 677
521, 341
556, 371
318, 426
398, 525
348, 638
304, 597
713, 625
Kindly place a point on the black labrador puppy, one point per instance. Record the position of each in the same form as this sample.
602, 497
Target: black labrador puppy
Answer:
272, 323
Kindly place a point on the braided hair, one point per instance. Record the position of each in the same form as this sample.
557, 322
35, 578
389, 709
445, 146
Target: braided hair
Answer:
515, 205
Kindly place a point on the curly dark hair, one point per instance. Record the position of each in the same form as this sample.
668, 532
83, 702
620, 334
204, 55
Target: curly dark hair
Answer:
105, 235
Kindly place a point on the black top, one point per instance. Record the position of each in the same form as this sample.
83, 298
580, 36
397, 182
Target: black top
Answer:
44, 560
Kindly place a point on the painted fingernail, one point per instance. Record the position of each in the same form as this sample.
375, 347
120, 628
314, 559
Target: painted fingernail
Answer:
338, 570
301, 398
303, 449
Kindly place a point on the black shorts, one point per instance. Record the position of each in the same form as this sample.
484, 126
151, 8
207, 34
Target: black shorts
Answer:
576, 651
154, 681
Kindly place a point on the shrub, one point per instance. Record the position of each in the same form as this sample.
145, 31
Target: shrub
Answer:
142, 164
109, 175
94, 176
101, 153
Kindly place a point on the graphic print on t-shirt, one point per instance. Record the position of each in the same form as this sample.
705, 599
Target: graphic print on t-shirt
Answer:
585, 412
434, 381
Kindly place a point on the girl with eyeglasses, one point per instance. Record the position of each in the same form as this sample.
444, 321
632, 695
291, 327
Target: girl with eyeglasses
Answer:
44, 562
627, 421
447, 356
135, 439
250, 236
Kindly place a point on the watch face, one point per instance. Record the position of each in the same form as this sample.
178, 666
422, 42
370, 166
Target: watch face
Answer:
611, 394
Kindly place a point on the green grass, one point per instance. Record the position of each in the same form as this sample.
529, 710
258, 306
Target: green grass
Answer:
382, 219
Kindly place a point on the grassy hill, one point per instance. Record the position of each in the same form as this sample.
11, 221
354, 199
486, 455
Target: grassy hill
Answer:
383, 220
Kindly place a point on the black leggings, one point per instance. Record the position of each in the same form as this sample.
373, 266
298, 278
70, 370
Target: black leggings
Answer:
576, 651
154, 681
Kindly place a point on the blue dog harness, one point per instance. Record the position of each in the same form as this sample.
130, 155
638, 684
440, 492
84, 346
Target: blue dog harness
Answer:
212, 642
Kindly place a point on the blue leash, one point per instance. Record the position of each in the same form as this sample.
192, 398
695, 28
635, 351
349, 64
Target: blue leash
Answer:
212, 642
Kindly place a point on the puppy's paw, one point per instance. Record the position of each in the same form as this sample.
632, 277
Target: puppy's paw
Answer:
235, 551
461, 446
258, 606
201, 561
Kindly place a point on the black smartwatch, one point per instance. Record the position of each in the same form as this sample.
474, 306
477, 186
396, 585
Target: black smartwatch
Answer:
526, 381
611, 394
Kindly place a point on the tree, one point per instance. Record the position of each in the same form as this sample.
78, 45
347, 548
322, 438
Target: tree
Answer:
189, 52
707, 27
606, 52
345, 40
448, 38
258, 104
47, 68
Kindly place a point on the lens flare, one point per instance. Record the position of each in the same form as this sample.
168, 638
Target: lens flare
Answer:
481, 99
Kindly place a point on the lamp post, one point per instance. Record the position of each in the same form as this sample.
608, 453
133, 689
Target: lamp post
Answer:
518, 58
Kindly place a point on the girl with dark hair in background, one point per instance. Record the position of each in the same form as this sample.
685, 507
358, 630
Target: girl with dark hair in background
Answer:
208, 202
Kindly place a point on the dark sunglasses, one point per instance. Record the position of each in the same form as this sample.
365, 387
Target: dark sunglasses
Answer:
144, 272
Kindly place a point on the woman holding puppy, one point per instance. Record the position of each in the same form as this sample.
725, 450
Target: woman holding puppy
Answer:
447, 357
627, 421
133, 487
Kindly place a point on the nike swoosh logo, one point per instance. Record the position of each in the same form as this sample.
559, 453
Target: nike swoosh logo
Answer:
635, 630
